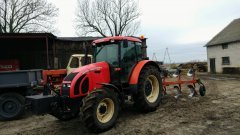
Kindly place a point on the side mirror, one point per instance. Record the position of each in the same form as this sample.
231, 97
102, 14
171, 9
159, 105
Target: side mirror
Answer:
125, 44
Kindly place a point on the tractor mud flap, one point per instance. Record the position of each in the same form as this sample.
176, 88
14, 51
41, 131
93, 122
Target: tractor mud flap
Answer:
40, 104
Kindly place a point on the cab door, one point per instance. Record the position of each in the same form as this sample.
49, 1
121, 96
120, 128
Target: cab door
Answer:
128, 60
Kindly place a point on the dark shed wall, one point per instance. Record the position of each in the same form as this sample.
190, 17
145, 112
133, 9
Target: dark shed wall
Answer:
42, 50
31, 53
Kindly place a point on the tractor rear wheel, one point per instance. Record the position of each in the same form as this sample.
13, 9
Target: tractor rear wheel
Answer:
100, 110
148, 96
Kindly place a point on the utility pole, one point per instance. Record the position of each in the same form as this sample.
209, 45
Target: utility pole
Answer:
167, 53
154, 57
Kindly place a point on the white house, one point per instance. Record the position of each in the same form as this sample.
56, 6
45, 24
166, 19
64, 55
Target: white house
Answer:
223, 51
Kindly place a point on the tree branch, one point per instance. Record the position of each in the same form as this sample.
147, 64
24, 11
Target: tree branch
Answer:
106, 17
26, 15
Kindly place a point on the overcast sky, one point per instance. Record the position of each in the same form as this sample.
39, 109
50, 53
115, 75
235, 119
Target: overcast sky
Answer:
184, 26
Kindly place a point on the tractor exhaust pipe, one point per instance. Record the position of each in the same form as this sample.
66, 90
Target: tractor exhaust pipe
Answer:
144, 48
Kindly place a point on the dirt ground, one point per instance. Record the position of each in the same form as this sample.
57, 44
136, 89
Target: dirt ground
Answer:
217, 113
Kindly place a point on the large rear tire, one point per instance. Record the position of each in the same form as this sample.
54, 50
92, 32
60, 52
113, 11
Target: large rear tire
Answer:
148, 96
11, 106
100, 110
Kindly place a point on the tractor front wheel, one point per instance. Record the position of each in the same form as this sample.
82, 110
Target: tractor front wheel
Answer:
148, 96
100, 110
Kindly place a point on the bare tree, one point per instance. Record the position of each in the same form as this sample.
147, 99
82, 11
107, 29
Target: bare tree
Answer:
107, 17
26, 16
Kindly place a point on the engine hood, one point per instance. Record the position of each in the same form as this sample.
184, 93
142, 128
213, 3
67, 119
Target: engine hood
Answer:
92, 67
95, 74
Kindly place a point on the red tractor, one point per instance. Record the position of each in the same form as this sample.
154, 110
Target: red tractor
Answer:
120, 70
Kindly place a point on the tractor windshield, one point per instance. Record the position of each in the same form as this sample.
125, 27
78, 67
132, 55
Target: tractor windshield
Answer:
108, 53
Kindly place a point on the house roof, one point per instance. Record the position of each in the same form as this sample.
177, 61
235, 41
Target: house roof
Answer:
229, 34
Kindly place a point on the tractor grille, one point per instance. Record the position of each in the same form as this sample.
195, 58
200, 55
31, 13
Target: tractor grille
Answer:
85, 86
76, 87
65, 91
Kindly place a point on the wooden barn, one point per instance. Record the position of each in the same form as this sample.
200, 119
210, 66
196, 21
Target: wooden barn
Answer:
41, 50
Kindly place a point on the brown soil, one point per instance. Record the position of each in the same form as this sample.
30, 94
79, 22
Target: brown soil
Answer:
216, 113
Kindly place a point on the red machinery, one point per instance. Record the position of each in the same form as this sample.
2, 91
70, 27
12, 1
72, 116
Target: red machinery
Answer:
180, 81
9, 65
54, 77
120, 70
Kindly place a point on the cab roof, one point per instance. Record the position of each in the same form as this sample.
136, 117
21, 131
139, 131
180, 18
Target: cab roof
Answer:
107, 39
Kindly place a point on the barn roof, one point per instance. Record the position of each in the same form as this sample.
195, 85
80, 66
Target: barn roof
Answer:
76, 39
34, 35
229, 34
27, 35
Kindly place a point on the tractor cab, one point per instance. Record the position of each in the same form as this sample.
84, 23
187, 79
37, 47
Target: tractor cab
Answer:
121, 53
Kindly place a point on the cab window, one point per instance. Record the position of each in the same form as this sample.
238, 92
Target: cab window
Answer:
108, 53
74, 62
128, 60
128, 53
83, 60
139, 51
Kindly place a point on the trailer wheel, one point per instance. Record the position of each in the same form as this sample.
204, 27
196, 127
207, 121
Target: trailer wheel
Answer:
148, 96
11, 106
100, 110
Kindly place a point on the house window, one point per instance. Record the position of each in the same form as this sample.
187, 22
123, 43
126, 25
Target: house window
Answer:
224, 46
225, 60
